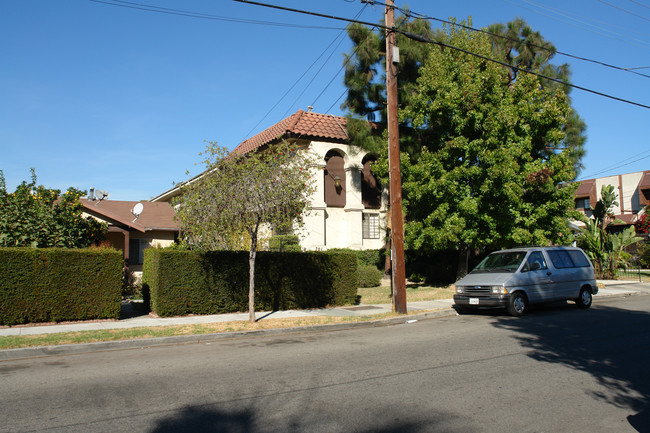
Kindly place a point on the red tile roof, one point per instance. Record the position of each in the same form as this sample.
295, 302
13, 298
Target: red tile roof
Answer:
301, 124
154, 216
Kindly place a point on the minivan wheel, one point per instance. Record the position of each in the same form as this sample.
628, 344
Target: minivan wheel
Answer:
517, 305
584, 298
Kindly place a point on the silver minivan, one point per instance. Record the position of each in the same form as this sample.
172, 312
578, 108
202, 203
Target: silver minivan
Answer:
518, 277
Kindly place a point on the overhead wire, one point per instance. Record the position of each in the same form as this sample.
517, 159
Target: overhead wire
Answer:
585, 23
292, 87
316, 74
192, 14
311, 81
640, 4
620, 164
429, 41
201, 15
408, 12
624, 10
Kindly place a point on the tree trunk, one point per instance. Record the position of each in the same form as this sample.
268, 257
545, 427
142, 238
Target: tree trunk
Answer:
463, 262
251, 278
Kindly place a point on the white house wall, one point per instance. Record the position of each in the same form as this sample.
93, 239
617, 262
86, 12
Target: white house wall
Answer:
339, 227
626, 187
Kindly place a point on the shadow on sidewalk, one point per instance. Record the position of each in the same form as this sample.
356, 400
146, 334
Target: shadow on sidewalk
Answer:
130, 309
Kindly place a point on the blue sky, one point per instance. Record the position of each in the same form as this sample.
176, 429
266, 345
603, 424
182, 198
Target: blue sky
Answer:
121, 99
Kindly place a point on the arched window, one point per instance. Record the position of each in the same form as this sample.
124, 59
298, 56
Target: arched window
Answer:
334, 179
370, 186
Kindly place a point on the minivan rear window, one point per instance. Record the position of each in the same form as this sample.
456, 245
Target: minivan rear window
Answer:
579, 259
560, 259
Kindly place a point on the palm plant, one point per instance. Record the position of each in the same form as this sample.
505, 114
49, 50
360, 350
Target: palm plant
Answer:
605, 249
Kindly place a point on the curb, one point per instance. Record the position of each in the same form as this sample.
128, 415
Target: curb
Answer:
71, 349
67, 349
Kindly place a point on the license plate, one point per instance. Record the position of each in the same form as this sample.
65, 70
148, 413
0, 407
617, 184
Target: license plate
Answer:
473, 301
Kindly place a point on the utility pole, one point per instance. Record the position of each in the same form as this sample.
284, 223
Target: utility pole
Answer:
398, 273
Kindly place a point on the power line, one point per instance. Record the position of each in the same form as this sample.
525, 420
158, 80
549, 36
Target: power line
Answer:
190, 14
302, 76
640, 4
622, 163
420, 38
291, 88
316, 75
624, 10
422, 16
581, 20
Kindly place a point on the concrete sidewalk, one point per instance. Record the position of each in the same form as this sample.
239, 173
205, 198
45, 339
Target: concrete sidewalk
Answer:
441, 307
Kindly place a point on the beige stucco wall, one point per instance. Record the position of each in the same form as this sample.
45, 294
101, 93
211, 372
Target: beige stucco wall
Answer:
339, 227
626, 187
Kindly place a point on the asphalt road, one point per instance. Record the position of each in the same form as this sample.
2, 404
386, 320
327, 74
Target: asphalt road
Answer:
557, 369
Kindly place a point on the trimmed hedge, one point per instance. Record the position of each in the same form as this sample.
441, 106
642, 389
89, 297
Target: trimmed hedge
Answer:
376, 258
57, 284
191, 282
282, 243
369, 276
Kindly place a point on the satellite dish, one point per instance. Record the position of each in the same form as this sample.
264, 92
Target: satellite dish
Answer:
137, 210
101, 195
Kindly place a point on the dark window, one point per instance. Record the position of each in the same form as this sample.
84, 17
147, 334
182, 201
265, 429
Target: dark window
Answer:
579, 258
334, 180
136, 250
560, 259
583, 203
370, 226
370, 186
536, 257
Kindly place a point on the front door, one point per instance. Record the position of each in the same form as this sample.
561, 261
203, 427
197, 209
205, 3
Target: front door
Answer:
537, 277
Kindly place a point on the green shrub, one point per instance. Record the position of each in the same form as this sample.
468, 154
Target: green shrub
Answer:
184, 282
369, 276
289, 243
57, 284
376, 258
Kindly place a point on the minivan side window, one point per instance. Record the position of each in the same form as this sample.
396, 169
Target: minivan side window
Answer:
536, 257
579, 259
560, 259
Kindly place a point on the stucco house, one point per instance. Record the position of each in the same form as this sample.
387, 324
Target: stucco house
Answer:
348, 207
632, 189
154, 226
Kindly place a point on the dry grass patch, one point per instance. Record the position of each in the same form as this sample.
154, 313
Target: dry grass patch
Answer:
14, 342
414, 292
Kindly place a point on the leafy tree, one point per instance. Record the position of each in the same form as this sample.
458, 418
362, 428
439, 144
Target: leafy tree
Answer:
517, 44
486, 174
365, 70
35, 216
514, 43
242, 194
487, 151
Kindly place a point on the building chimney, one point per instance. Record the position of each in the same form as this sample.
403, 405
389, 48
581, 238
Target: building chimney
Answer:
91, 194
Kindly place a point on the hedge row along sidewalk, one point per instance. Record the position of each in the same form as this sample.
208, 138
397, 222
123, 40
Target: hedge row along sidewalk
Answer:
149, 330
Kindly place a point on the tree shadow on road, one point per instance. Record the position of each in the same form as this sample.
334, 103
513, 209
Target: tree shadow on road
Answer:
209, 418
587, 340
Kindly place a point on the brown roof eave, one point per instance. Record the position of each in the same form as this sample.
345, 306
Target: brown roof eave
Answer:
108, 214
645, 180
